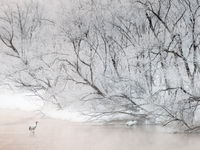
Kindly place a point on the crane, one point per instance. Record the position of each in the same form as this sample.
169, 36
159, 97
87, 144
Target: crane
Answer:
33, 127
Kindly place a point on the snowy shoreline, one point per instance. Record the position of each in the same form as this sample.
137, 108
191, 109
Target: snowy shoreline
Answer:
14, 101
24, 102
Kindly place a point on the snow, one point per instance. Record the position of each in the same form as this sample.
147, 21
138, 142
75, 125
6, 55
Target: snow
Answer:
66, 115
24, 102
18, 101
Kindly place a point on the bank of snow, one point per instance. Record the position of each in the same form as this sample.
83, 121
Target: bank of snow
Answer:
25, 102
18, 101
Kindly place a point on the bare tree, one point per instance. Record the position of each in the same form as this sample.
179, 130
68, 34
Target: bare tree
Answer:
20, 25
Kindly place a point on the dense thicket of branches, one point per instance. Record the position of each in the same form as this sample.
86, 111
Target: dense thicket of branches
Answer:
139, 58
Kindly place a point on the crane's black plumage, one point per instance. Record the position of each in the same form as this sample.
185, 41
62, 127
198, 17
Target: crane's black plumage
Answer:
33, 127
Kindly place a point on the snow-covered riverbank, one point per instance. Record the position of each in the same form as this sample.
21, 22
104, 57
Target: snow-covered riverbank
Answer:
25, 102
73, 112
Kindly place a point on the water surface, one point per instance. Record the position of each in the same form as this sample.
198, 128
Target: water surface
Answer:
53, 134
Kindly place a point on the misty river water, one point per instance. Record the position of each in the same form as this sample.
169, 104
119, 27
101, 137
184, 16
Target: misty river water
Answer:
53, 134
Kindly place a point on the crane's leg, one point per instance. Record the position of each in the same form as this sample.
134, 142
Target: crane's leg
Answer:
31, 132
